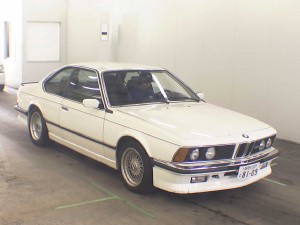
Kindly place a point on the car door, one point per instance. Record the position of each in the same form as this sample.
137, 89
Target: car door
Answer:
82, 126
54, 88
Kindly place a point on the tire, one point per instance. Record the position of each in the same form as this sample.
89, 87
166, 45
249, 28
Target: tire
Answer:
1, 87
37, 128
136, 168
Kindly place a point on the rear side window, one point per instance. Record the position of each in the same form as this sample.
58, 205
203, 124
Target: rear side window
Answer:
57, 84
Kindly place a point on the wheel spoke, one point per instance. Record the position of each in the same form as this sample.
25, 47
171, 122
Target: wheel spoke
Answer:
36, 126
132, 167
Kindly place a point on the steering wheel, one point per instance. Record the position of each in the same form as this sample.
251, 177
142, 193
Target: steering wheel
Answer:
159, 95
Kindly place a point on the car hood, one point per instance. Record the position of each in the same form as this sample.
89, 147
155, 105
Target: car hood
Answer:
195, 120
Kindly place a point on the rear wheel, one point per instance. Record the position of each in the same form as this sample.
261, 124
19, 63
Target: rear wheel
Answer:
136, 168
37, 128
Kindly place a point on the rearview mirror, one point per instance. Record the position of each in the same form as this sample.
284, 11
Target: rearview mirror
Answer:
200, 95
92, 103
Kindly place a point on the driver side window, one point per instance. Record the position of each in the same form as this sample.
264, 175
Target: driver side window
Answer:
83, 85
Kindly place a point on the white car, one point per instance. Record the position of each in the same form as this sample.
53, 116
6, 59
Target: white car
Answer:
2, 78
149, 125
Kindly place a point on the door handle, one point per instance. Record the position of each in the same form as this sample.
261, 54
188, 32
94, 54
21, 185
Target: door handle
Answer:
65, 108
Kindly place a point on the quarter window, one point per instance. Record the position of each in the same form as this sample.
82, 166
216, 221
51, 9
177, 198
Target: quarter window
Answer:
83, 85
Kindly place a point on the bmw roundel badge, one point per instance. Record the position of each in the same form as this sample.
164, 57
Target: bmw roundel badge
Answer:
245, 136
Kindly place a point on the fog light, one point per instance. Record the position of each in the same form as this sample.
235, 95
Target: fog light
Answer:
269, 143
262, 145
210, 153
198, 179
194, 154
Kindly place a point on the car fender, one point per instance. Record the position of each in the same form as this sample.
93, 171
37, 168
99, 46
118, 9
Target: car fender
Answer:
34, 103
154, 147
138, 136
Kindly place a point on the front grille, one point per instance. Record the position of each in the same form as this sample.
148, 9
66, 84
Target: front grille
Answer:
250, 148
245, 149
255, 149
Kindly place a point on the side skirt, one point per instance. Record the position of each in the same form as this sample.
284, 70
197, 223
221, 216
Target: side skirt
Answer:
84, 151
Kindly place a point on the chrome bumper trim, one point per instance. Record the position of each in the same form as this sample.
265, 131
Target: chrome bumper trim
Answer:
21, 110
217, 165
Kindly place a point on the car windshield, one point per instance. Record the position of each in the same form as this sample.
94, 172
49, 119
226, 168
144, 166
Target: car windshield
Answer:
139, 87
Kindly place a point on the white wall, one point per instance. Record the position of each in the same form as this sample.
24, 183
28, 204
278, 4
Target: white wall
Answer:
44, 11
84, 30
11, 11
243, 54
284, 94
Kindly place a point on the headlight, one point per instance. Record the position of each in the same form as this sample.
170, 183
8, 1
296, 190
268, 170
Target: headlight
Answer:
210, 153
262, 145
269, 143
203, 153
194, 154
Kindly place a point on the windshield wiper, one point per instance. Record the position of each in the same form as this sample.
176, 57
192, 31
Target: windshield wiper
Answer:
183, 98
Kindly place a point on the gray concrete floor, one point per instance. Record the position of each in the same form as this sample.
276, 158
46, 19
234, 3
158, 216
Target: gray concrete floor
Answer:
55, 185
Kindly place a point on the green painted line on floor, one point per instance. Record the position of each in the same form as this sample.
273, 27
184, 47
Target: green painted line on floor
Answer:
139, 209
87, 202
274, 182
104, 190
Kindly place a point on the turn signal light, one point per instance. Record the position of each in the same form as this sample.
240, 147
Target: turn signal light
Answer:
180, 155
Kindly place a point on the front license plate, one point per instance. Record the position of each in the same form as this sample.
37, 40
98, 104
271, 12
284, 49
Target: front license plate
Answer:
248, 171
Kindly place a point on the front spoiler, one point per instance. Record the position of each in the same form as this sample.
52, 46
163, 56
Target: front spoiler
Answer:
217, 165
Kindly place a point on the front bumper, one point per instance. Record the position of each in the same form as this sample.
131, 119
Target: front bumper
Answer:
2, 78
22, 114
219, 174
20, 110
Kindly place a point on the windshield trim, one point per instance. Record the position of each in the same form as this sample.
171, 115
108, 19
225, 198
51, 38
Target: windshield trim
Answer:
167, 101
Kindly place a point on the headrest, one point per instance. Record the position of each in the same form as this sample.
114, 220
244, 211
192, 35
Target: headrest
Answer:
145, 77
109, 78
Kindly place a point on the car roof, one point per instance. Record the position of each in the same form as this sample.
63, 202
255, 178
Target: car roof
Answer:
108, 66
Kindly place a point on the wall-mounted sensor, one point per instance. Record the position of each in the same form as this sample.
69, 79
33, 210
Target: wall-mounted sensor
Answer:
104, 32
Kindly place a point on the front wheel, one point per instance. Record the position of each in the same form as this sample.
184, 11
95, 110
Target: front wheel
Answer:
136, 168
37, 128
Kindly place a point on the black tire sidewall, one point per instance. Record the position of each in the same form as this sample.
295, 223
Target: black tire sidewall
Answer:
146, 184
44, 139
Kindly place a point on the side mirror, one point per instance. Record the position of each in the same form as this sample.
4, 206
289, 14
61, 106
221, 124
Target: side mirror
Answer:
200, 95
92, 103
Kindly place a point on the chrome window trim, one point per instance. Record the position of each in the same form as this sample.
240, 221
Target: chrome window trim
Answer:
75, 67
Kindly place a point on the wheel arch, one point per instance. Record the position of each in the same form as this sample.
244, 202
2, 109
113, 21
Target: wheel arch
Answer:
127, 138
42, 139
31, 107
34, 104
